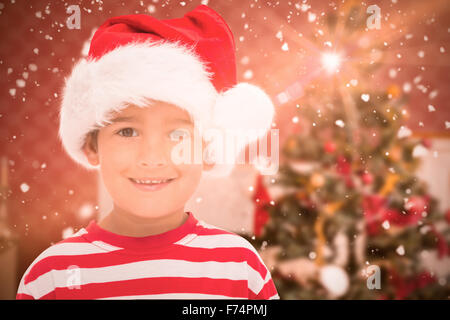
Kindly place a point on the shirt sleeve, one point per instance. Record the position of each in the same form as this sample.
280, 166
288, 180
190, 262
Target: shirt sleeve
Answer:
36, 285
260, 283
23, 292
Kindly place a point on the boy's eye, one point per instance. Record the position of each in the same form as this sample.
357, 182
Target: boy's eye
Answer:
176, 134
126, 131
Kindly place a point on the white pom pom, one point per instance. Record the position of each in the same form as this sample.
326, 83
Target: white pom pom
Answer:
245, 110
244, 107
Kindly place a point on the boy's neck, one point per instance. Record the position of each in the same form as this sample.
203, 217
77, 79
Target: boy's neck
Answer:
122, 223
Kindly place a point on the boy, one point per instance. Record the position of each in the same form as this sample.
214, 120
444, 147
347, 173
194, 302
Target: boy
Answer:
147, 88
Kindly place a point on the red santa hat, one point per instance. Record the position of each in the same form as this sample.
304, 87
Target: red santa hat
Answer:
189, 62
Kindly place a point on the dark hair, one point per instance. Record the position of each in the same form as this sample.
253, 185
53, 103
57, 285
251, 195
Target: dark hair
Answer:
93, 143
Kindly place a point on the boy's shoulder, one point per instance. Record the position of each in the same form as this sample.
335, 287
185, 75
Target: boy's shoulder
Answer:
58, 255
216, 236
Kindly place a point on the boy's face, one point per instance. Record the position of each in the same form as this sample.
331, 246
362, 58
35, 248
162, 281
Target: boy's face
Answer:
138, 145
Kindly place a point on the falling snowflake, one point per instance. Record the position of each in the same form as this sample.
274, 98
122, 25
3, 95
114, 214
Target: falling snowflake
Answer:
433, 94
403, 132
279, 35
365, 97
67, 232
245, 60
400, 250
419, 151
285, 47
392, 73
248, 74
86, 210
20, 83
340, 123
24, 187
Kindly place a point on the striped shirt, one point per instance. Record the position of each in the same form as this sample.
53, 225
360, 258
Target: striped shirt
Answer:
193, 261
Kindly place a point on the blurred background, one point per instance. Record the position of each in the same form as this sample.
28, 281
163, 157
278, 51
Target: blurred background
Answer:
359, 208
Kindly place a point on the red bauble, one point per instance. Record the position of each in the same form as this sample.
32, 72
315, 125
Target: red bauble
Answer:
367, 178
329, 147
395, 217
343, 165
426, 143
447, 216
417, 204
372, 206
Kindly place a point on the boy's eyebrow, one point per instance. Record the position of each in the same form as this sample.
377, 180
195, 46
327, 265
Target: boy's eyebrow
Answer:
130, 119
123, 119
187, 121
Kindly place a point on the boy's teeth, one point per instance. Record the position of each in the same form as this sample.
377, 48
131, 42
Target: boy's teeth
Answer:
150, 181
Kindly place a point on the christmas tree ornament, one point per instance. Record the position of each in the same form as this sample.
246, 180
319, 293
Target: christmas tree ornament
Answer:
260, 198
367, 178
395, 154
372, 206
447, 216
343, 166
417, 204
335, 280
330, 147
317, 180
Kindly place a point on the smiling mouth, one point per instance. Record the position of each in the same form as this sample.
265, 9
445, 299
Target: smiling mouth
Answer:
151, 182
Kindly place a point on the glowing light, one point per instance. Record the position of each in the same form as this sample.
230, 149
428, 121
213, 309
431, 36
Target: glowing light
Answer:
331, 62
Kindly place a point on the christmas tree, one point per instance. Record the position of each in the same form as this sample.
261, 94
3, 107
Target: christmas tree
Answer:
345, 217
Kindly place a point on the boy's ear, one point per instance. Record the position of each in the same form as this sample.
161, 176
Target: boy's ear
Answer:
90, 149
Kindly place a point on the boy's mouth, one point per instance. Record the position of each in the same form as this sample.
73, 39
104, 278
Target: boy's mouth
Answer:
152, 184
152, 181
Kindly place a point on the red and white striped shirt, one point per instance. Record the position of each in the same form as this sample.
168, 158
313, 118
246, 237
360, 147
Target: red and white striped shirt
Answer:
194, 261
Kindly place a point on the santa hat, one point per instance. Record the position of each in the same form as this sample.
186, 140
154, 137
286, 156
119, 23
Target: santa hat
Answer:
189, 62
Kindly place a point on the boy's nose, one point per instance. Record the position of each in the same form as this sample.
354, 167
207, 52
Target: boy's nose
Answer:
152, 155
